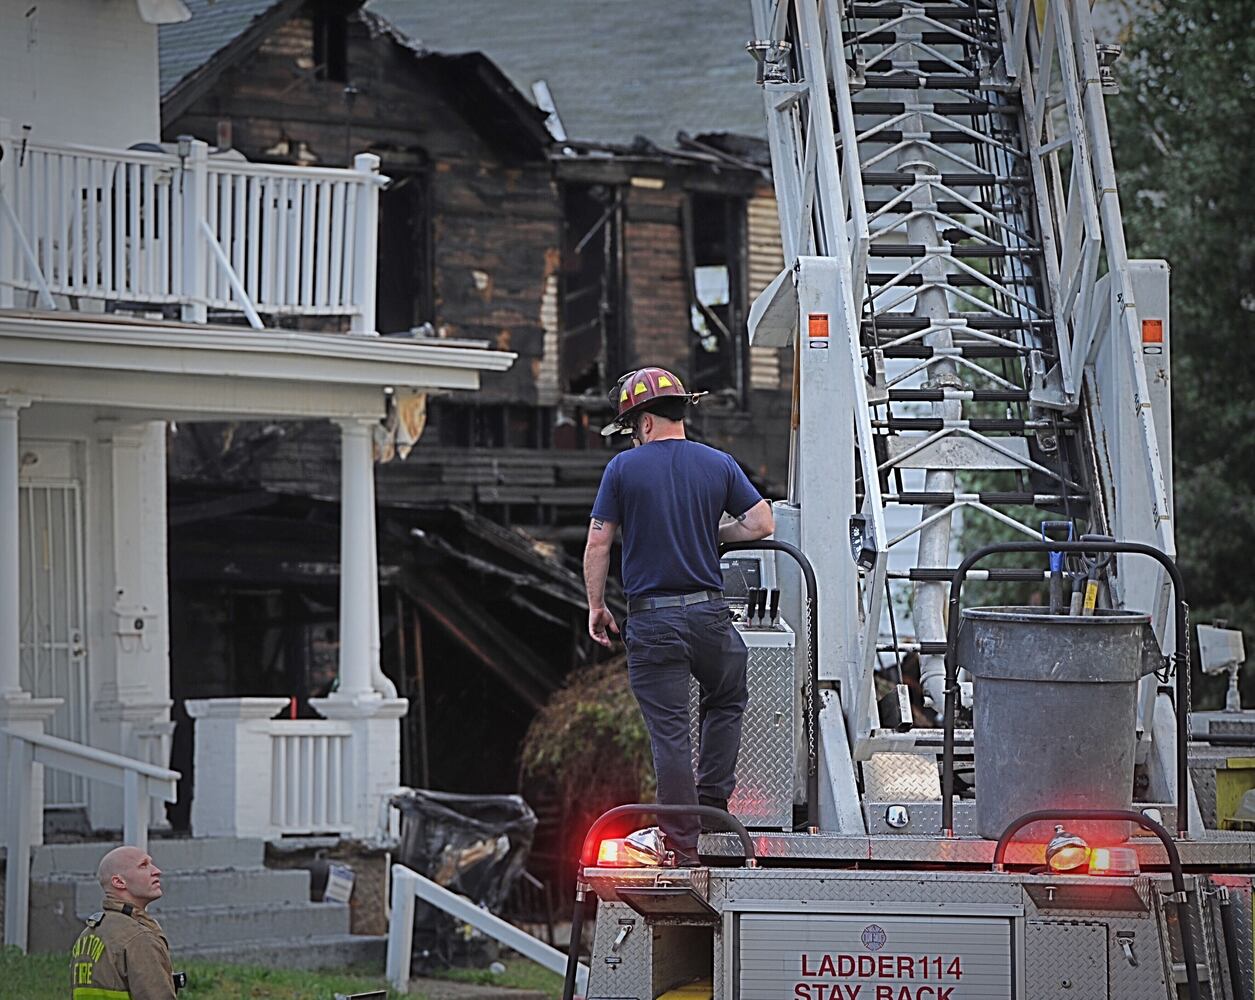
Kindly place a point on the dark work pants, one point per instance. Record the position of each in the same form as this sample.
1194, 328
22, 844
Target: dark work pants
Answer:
665, 646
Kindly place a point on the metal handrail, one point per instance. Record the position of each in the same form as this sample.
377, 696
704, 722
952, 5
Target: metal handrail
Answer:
1179, 895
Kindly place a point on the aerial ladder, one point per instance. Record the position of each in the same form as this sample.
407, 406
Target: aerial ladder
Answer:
971, 345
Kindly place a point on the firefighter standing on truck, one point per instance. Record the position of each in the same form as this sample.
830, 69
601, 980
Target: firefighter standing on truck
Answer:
122, 952
669, 494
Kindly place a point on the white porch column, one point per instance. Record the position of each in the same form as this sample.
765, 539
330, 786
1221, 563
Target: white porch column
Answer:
359, 584
10, 550
130, 655
375, 761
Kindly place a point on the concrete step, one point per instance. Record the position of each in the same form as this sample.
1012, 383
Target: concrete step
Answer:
204, 926
232, 886
324, 952
172, 854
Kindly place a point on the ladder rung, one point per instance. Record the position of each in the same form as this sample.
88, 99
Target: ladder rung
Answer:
984, 424
950, 109
955, 279
923, 648
942, 137
928, 67
973, 321
890, 35
935, 81
991, 497
976, 575
894, 178
918, 250
950, 207
936, 12
975, 395
966, 351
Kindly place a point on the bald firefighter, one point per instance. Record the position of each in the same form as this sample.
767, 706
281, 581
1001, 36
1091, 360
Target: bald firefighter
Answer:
669, 495
122, 952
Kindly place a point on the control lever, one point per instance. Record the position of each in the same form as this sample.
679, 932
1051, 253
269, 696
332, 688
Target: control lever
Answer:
751, 606
775, 608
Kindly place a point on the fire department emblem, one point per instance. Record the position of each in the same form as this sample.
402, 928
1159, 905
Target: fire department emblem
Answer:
874, 937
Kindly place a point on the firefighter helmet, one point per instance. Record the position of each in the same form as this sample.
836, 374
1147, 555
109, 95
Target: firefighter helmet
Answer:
636, 390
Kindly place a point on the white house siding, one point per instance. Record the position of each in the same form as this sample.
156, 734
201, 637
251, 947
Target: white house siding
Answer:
79, 71
766, 260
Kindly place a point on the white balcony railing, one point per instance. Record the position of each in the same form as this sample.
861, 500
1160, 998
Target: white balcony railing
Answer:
156, 229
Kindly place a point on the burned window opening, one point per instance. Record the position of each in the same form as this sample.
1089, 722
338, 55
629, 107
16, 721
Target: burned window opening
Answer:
715, 262
331, 47
404, 283
592, 351
492, 425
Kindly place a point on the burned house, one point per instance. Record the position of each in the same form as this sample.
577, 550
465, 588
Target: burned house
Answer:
583, 256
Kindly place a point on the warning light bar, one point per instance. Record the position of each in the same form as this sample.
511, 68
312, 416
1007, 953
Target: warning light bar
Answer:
1113, 861
613, 854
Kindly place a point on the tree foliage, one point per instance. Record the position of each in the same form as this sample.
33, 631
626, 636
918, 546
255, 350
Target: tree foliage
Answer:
1185, 156
588, 746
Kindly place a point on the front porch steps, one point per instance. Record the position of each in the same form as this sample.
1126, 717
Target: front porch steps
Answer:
221, 903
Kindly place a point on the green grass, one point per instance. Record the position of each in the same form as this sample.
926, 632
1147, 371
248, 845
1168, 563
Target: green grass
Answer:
519, 974
47, 977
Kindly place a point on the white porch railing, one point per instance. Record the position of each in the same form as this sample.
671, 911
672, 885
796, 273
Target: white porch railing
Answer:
24, 810
258, 776
408, 885
162, 229
309, 769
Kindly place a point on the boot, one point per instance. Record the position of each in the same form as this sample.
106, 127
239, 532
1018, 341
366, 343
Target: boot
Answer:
710, 800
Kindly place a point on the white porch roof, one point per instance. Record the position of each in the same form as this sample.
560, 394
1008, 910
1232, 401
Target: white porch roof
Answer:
181, 371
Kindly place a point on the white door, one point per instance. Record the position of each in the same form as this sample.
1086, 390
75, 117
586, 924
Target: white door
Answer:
53, 647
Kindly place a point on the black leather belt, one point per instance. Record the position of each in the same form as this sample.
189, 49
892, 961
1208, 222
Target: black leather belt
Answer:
679, 601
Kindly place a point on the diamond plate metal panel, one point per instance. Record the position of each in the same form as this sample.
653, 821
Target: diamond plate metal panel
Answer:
763, 798
621, 967
1203, 778
912, 889
1065, 960
1215, 849
901, 777
924, 819
1136, 969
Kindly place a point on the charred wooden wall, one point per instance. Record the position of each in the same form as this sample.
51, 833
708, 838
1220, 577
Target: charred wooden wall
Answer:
488, 228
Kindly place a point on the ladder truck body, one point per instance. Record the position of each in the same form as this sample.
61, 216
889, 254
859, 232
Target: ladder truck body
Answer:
971, 345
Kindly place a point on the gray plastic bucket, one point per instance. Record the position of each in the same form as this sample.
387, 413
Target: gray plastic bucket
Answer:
1055, 701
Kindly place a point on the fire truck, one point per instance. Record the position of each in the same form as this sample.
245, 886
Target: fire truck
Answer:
939, 800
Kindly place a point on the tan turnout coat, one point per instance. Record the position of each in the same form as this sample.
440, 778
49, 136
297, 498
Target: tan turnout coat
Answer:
121, 955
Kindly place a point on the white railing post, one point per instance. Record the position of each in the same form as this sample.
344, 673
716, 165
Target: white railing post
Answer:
20, 781
10, 548
195, 184
400, 930
365, 243
8, 238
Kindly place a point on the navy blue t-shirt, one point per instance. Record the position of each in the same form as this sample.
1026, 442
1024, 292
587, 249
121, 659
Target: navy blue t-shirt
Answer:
669, 496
